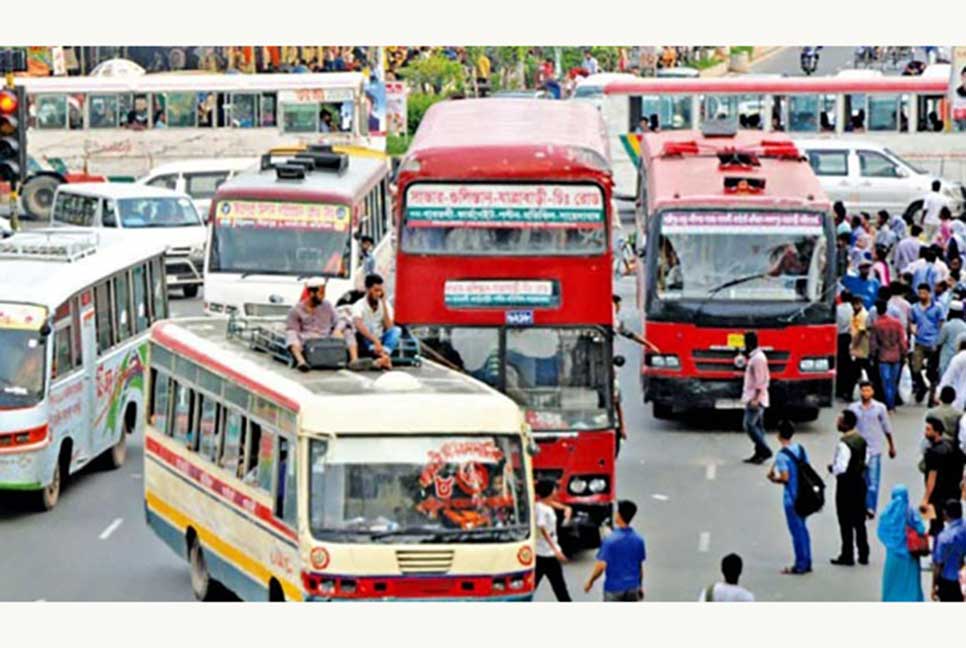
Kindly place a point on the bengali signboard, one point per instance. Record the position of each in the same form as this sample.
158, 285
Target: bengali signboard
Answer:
22, 317
291, 215
501, 294
957, 88
511, 206
709, 222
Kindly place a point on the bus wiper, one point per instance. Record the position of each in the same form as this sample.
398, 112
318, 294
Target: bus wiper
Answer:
728, 284
801, 311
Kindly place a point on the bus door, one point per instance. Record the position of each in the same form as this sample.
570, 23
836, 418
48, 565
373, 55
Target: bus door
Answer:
69, 404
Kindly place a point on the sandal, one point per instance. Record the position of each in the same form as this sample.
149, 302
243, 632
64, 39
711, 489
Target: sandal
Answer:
793, 571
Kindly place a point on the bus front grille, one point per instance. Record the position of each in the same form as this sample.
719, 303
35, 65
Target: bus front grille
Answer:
424, 562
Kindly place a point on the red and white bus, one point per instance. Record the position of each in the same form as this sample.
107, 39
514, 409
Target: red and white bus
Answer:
738, 238
908, 114
504, 269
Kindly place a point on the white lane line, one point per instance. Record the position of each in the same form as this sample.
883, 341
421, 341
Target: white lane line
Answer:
40, 601
660, 498
106, 533
135, 475
711, 471
704, 541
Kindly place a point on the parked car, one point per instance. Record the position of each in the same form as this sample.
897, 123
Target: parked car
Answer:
148, 213
867, 176
199, 179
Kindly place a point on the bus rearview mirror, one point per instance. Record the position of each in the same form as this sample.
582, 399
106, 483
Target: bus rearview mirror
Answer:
619, 361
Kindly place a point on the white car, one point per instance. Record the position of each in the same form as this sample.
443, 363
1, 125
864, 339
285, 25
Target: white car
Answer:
867, 176
199, 179
150, 213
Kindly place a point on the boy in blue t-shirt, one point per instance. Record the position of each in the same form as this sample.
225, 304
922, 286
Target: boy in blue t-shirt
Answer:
785, 471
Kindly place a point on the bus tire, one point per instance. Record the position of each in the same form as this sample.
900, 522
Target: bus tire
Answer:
275, 592
49, 495
190, 291
807, 414
913, 209
37, 196
202, 585
661, 411
118, 452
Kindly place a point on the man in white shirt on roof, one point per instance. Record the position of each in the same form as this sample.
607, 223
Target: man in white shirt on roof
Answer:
372, 317
932, 204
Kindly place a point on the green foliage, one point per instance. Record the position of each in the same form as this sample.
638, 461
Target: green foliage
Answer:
571, 57
397, 145
737, 49
436, 74
416, 106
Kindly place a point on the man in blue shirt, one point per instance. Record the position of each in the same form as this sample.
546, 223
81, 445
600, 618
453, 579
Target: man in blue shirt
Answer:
621, 559
785, 472
926, 319
947, 555
864, 285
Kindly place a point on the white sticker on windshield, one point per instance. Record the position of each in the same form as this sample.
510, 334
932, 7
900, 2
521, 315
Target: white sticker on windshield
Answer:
32, 344
141, 310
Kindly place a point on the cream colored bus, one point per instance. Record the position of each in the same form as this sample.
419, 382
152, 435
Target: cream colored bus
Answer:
412, 484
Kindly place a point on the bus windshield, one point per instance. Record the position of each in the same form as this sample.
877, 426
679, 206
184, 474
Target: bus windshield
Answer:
756, 256
560, 376
434, 489
22, 367
157, 212
502, 220
283, 238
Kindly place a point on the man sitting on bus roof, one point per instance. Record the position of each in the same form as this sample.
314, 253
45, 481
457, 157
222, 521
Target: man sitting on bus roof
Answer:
373, 319
315, 317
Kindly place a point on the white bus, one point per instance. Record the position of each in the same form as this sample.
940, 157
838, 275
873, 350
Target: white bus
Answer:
75, 309
127, 125
333, 485
271, 228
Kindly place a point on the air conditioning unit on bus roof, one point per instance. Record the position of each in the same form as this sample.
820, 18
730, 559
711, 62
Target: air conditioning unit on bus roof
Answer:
314, 158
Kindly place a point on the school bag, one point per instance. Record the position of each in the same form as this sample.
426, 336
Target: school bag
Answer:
810, 496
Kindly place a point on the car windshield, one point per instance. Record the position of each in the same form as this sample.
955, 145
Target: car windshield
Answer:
903, 161
504, 220
588, 91
280, 238
157, 212
22, 365
756, 256
405, 489
560, 376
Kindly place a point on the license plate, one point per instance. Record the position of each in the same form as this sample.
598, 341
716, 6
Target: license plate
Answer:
736, 340
728, 404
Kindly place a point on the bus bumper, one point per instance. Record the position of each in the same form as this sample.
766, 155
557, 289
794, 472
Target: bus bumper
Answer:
686, 394
24, 471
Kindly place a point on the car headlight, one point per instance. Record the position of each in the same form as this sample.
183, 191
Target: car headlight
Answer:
197, 254
598, 485
578, 485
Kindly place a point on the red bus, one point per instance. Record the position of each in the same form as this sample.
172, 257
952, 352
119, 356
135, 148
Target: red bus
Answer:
738, 237
504, 270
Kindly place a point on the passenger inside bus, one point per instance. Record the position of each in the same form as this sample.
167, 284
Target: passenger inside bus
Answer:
669, 276
21, 366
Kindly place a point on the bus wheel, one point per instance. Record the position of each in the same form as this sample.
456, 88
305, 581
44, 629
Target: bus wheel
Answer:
190, 291
807, 414
661, 411
37, 196
912, 211
48, 496
118, 452
275, 592
201, 583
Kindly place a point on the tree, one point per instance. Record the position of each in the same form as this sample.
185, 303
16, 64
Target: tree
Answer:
434, 75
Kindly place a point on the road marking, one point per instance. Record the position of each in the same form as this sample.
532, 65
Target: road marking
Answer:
711, 471
40, 601
135, 475
704, 541
642, 462
106, 533
660, 498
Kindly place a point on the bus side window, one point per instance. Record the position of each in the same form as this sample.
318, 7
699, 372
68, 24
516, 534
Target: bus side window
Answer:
62, 352
181, 429
108, 215
231, 450
209, 428
159, 301
122, 306
285, 493
266, 460
159, 401
104, 316
140, 291
249, 460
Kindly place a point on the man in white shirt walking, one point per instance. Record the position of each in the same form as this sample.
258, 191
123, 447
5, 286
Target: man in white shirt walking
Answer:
932, 204
549, 556
728, 591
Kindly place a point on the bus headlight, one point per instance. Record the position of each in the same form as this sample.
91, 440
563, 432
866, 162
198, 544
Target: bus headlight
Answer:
498, 585
516, 583
669, 361
327, 586
578, 485
813, 365
598, 485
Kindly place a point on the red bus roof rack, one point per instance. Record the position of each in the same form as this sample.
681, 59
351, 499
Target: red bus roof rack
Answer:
671, 149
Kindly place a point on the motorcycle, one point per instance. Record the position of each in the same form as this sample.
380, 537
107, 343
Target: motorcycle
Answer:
809, 60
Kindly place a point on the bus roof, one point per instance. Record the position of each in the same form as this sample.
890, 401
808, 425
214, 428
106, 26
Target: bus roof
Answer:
690, 180
536, 132
120, 190
196, 82
345, 401
205, 165
360, 176
50, 281
781, 85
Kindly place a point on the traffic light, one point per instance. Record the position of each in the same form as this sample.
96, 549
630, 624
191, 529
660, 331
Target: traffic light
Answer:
13, 135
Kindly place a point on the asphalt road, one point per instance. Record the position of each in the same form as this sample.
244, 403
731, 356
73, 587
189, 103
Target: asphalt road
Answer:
831, 60
697, 502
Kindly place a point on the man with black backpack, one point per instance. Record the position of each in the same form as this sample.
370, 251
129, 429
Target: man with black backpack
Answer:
791, 463
848, 466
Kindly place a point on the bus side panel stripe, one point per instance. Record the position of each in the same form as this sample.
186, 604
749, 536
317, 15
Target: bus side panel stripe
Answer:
212, 484
233, 556
632, 146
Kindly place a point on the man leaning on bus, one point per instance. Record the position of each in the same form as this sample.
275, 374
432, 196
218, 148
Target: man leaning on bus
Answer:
315, 317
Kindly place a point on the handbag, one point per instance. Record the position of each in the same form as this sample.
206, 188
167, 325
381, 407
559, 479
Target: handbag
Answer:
917, 543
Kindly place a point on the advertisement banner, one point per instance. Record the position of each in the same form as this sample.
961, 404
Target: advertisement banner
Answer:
512, 206
396, 119
501, 294
957, 88
22, 317
245, 213
741, 222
